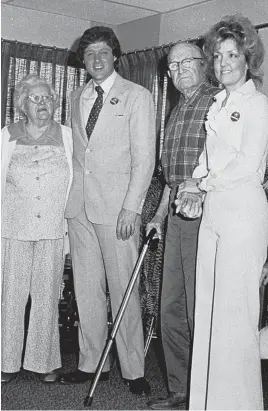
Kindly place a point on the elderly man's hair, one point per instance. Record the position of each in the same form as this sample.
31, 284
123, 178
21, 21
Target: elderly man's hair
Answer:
190, 46
98, 34
23, 87
196, 49
241, 30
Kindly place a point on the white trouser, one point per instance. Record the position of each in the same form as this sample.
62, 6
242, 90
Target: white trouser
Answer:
232, 248
98, 256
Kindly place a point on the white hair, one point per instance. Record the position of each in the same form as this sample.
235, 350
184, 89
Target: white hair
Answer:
22, 88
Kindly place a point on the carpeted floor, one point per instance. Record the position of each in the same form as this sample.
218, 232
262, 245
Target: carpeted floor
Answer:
26, 392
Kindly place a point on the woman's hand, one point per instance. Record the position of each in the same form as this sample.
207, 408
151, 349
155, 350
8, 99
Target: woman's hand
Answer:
190, 185
189, 204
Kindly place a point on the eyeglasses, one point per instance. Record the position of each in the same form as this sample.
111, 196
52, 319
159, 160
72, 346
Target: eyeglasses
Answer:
37, 99
174, 65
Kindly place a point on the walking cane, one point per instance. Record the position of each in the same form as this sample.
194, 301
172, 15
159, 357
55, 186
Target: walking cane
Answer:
89, 398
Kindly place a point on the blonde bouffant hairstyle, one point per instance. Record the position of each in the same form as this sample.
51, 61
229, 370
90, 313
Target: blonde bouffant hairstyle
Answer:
241, 30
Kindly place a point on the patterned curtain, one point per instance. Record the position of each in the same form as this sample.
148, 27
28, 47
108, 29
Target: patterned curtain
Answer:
148, 68
59, 67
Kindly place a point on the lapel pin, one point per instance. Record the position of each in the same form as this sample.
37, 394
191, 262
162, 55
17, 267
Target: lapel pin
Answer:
114, 100
235, 116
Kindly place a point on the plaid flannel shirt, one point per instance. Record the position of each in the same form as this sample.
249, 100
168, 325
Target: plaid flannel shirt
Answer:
185, 135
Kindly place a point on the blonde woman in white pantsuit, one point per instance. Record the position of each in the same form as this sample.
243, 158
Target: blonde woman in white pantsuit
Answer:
233, 237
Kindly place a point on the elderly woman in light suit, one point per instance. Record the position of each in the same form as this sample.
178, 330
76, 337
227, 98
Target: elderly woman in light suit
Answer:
36, 178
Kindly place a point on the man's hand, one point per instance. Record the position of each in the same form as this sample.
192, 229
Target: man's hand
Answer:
156, 223
125, 224
160, 215
265, 185
189, 204
264, 275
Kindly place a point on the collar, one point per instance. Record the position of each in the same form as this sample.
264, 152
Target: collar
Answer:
200, 91
246, 89
106, 85
18, 131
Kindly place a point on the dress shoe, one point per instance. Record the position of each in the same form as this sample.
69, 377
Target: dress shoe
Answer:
139, 386
78, 377
8, 376
173, 401
49, 377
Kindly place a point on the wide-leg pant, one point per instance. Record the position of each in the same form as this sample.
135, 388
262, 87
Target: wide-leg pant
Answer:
232, 248
35, 268
177, 299
97, 255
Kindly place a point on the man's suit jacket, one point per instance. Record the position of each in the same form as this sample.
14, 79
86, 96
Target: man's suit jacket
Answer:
114, 168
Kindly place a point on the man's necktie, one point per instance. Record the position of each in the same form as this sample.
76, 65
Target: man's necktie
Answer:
95, 111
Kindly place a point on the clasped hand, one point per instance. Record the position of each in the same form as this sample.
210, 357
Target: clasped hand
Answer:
264, 275
265, 185
156, 223
189, 199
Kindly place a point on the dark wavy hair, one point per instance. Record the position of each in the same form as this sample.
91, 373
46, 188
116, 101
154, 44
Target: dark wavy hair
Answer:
95, 35
241, 30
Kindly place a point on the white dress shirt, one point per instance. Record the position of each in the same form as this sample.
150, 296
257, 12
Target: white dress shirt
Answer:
89, 94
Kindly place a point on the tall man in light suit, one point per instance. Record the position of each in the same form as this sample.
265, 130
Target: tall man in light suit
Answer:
114, 152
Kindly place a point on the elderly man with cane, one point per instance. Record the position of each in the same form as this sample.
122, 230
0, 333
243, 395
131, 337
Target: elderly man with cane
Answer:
184, 142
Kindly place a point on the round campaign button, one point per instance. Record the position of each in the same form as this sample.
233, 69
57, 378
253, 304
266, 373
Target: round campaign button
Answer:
235, 116
114, 100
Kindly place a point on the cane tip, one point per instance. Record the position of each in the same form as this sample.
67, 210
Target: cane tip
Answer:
88, 401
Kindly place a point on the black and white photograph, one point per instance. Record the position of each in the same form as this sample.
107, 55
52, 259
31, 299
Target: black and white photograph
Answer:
134, 205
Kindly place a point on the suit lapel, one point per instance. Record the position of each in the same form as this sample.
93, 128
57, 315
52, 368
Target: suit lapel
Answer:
119, 87
78, 114
113, 102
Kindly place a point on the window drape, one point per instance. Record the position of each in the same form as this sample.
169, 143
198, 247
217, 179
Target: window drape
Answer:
148, 68
60, 68
50, 63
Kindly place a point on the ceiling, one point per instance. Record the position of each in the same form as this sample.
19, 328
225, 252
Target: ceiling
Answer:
112, 12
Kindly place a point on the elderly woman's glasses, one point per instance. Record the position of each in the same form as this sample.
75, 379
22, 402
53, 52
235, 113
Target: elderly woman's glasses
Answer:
37, 99
174, 65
